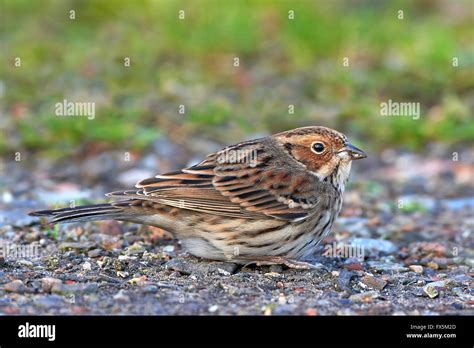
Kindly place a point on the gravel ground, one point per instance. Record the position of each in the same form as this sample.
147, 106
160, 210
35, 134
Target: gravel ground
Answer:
410, 232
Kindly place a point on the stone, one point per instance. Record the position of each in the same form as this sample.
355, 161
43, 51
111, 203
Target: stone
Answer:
344, 279
25, 263
373, 282
354, 266
75, 246
190, 266
213, 308
432, 265
431, 289
94, 253
362, 297
387, 266
272, 275
87, 266
416, 268
135, 249
16, 286
48, 283
379, 245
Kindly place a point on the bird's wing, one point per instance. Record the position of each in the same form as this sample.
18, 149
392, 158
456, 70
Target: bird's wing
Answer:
222, 185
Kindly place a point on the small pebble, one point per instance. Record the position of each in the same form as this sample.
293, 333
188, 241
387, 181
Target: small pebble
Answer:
431, 288
7, 197
135, 249
16, 286
74, 246
272, 274
122, 274
125, 257
344, 279
48, 283
267, 310
276, 269
432, 265
384, 246
416, 268
140, 281
213, 308
94, 253
168, 249
367, 296
430, 291
25, 263
86, 266
429, 248
373, 282
355, 266
223, 272
386, 266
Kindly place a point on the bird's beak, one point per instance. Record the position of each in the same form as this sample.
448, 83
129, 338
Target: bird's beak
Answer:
353, 151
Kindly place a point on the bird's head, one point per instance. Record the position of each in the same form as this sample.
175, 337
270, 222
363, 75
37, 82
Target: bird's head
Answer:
323, 151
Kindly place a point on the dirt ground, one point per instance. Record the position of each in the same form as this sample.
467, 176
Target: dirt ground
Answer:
409, 216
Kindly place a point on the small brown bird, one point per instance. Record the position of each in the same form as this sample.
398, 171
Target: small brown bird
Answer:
269, 200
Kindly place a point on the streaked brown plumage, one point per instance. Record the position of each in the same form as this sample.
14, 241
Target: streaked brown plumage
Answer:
266, 200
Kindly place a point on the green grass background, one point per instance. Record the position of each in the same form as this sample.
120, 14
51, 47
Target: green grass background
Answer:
190, 62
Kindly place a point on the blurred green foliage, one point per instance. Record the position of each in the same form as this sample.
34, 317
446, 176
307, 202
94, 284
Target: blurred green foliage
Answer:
191, 62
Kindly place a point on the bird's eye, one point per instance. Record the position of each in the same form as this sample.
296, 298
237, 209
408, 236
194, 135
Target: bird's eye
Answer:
318, 147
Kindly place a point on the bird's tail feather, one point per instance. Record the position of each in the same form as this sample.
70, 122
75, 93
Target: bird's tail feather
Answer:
82, 213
